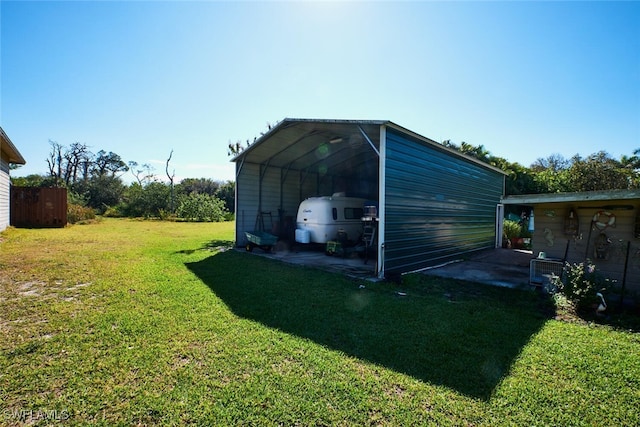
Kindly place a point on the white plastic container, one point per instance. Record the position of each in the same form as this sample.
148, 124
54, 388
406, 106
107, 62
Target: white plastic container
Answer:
323, 217
303, 235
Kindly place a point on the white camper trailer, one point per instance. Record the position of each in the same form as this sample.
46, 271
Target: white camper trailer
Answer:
321, 218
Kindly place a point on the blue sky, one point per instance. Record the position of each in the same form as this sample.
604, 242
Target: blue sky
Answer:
140, 78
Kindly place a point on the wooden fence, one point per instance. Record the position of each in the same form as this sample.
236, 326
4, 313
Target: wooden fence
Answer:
38, 207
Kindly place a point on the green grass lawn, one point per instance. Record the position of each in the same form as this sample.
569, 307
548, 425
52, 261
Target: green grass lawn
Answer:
128, 322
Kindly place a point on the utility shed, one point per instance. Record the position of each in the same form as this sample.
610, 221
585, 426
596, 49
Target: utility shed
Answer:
434, 203
8, 154
602, 226
38, 207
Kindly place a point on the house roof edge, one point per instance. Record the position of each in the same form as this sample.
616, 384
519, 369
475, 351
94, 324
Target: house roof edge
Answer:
9, 148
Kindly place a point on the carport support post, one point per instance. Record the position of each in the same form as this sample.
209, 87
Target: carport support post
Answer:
624, 275
499, 224
263, 171
283, 178
382, 209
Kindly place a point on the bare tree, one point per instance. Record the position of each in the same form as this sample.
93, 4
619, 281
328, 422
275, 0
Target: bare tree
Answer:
171, 177
75, 166
144, 174
54, 162
75, 157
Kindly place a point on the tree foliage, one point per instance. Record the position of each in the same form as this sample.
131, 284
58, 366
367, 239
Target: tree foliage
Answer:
555, 174
34, 180
197, 186
224, 191
145, 201
598, 171
519, 179
102, 192
107, 164
95, 180
201, 208
227, 193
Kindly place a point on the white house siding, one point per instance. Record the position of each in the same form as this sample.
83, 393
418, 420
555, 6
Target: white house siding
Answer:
4, 193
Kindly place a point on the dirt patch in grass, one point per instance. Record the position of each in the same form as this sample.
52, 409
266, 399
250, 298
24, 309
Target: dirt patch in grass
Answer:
12, 290
30, 288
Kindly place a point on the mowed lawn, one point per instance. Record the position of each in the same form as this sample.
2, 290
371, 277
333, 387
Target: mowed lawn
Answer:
127, 322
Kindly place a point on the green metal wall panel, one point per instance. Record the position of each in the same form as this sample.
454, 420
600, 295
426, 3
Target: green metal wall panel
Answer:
438, 206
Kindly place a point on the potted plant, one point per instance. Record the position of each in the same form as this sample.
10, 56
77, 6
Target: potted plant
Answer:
511, 232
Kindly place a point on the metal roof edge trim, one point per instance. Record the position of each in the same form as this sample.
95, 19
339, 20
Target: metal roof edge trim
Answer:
388, 123
449, 150
14, 155
582, 196
258, 141
288, 120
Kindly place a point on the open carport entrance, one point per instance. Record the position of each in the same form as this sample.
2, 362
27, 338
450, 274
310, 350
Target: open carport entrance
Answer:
298, 159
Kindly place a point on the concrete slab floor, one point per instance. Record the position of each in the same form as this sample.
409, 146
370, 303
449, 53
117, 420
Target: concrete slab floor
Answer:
498, 267
351, 265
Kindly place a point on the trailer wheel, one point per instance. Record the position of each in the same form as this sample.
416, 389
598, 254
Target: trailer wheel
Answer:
249, 247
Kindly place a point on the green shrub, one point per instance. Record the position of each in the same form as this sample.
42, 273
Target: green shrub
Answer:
166, 215
113, 211
201, 208
511, 229
148, 201
74, 198
580, 283
77, 213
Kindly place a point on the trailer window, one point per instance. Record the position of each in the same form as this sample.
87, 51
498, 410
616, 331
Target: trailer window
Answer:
353, 213
334, 211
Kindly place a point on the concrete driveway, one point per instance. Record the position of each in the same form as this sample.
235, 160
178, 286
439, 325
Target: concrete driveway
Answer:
499, 267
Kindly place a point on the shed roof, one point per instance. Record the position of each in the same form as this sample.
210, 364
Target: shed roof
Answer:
582, 196
10, 149
302, 144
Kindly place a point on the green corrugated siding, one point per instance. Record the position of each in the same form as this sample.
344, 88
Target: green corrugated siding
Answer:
438, 206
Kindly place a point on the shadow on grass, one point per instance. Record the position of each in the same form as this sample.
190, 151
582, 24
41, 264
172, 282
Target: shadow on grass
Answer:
627, 319
213, 245
459, 335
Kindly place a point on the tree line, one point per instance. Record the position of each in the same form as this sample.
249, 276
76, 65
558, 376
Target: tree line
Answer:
556, 174
95, 185
552, 174
95, 180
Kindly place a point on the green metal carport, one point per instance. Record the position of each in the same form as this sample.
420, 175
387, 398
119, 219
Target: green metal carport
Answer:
434, 203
